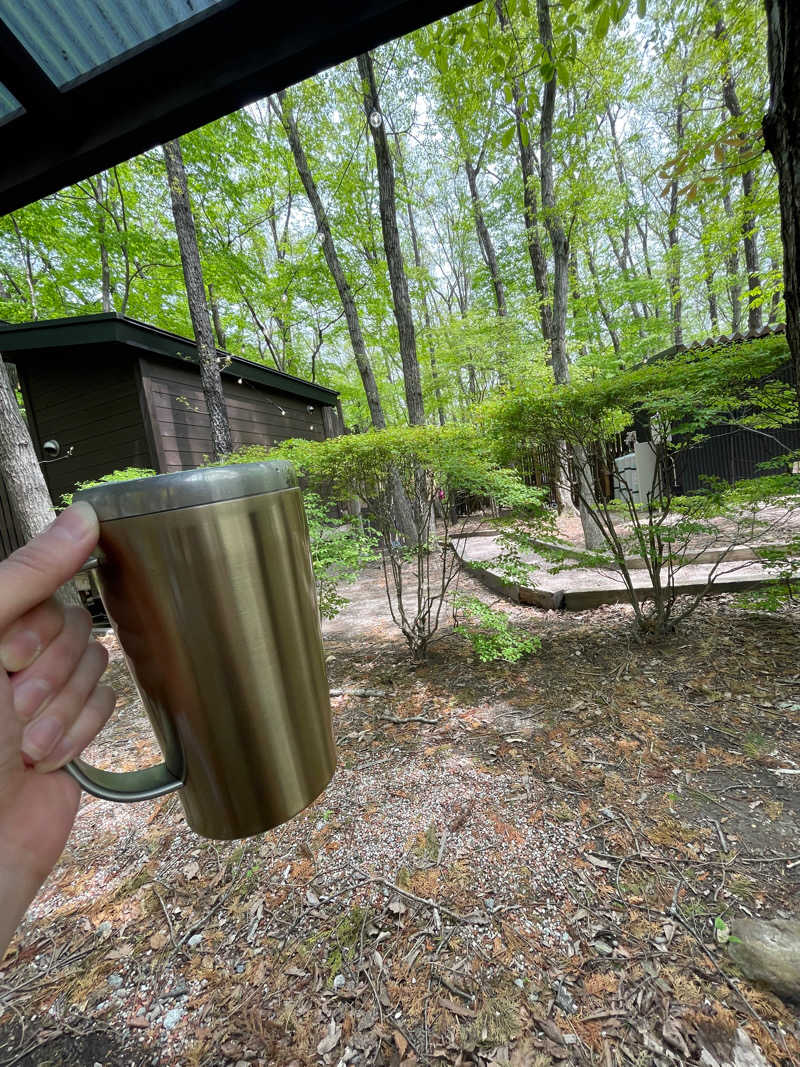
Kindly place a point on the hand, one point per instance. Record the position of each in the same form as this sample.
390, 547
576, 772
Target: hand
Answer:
51, 705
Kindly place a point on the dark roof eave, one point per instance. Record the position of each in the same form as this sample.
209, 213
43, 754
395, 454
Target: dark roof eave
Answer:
110, 328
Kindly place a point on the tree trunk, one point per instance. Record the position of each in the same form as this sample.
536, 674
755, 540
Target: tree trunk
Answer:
289, 123
284, 113
218, 327
412, 226
559, 242
746, 152
673, 235
485, 239
782, 138
210, 378
22, 475
530, 206
391, 243
732, 268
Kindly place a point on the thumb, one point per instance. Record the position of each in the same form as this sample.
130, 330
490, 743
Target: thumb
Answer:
34, 572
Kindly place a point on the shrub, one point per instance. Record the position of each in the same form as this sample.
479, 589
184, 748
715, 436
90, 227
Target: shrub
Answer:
126, 475
425, 469
491, 632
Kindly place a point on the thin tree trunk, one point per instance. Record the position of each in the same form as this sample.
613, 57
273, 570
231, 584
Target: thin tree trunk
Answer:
559, 242
287, 119
673, 234
485, 239
100, 194
412, 226
746, 152
732, 268
782, 137
284, 113
210, 378
219, 330
530, 212
391, 243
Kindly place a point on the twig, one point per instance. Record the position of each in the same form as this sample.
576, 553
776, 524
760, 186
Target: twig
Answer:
166, 916
722, 839
402, 722
471, 918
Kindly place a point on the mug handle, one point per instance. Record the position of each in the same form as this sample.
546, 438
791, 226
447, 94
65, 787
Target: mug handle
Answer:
125, 786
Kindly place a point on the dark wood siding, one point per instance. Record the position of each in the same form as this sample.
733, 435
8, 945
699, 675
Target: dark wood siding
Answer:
89, 402
180, 419
734, 453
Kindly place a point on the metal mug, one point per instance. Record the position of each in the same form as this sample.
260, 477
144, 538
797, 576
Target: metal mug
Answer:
206, 578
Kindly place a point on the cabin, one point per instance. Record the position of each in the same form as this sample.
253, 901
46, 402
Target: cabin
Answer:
730, 453
105, 392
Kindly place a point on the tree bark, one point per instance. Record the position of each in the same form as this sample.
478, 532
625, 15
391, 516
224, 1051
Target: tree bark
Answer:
746, 152
559, 241
391, 243
210, 378
485, 239
287, 119
782, 138
673, 235
732, 268
218, 327
22, 475
529, 200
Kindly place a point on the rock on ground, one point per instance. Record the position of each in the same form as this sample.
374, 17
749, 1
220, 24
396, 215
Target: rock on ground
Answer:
768, 952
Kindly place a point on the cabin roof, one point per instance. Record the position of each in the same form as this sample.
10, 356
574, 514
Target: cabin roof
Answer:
19, 342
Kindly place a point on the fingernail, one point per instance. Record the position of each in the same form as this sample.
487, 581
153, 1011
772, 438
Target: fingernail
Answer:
40, 737
78, 522
19, 650
29, 697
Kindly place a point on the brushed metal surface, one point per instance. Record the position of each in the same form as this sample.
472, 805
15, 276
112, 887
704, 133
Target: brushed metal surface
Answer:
215, 609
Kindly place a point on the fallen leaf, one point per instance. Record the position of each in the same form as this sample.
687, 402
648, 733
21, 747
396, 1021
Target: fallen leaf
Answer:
158, 940
457, 1009
191, 870
401, 1043
139, 1021
330, 1040
311, 898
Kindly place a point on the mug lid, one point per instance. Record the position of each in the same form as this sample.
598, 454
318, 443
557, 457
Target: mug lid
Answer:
187, 489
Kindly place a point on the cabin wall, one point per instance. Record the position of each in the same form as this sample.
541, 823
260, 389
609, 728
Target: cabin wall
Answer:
89, 402
179, 417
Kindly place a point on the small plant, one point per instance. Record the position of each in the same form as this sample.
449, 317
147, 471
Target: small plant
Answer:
491, 632
126, 475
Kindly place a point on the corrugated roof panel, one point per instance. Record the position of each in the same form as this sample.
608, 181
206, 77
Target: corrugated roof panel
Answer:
9, 104
71, 38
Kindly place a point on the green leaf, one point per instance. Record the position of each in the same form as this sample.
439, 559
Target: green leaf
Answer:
524, 134
547, 70
641, 8
602, 23
508, 137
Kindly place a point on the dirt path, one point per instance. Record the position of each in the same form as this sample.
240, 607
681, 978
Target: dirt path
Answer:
512, 862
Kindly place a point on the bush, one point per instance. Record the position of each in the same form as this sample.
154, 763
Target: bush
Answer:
491, 632
126, 475
409, 478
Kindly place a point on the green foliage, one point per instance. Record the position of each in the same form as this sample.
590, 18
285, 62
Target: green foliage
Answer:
682, 398
126, 475
413, 480
491, 633
340, 547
